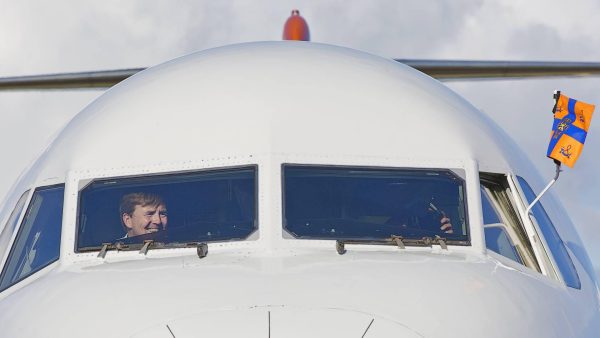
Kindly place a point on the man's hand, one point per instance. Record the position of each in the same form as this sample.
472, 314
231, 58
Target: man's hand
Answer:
446, 225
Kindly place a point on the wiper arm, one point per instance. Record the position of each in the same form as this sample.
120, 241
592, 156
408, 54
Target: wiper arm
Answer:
399, 241
110, 246
144, 249
102, 252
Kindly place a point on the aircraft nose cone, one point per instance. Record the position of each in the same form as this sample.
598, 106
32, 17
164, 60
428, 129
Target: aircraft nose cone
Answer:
279, 321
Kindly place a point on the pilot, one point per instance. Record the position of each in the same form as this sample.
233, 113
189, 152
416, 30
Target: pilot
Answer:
143, 213
428, 219
446, 226
422, 215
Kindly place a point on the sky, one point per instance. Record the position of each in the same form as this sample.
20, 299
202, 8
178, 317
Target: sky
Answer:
40, 37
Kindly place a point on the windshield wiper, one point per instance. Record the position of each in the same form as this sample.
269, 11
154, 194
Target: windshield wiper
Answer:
110, 246
146, 246
399, 241
201, 247
127, 247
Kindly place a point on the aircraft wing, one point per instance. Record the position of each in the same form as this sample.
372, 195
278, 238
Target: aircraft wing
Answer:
472, 70
83, 80
444, 70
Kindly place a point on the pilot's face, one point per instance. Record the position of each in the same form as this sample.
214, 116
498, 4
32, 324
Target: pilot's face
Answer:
146, 219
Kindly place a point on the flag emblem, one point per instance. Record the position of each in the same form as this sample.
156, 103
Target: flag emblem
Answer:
562, 126
566, 152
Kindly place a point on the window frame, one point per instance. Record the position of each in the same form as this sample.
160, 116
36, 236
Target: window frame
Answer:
465, 187
19, 230
84, 183
544, 259
504, 182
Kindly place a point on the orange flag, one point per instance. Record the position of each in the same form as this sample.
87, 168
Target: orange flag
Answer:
571, 123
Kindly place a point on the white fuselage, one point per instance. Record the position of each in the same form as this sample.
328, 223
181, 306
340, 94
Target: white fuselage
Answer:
269, 104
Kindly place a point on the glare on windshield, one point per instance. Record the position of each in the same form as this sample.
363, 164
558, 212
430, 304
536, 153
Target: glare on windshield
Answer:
373, 204
205, 206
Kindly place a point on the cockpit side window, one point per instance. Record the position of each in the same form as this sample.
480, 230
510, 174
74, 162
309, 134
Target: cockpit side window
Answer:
504, 232
11, 224
555, 244
37, 244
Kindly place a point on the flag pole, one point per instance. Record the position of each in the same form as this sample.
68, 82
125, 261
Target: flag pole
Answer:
556, 96
558, 170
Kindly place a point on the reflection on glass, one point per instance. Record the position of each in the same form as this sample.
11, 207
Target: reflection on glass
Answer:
10, 225
38, 242
497, 240
555, 243
504, 231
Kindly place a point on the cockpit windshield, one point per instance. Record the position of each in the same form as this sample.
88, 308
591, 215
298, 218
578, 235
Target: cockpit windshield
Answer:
347, 203
171, 210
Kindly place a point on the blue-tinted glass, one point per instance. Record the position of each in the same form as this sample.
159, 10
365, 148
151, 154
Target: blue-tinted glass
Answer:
38, 242
215, 205
489, 214
498, 241
11, 224
496, 238
359, 203
555, 243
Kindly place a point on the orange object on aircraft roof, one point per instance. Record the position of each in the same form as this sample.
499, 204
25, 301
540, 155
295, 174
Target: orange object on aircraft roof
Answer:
296, 28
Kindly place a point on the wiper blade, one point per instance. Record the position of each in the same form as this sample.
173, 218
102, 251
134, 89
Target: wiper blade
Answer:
399, 241
201, 247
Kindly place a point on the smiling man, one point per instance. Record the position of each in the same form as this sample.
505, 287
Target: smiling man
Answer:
143, 213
